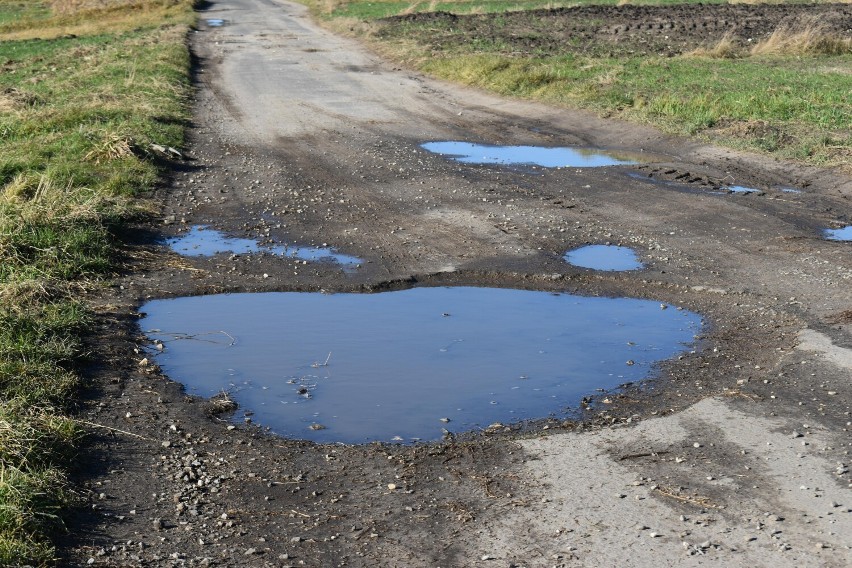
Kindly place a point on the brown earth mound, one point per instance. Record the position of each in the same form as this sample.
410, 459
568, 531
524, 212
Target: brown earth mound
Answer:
620, 30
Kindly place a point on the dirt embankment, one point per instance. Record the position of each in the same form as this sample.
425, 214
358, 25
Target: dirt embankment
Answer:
624, 30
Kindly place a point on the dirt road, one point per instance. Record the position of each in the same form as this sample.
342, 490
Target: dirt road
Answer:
737, 453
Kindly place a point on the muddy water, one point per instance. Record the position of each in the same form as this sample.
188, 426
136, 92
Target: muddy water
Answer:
604, 257
204, 241
405, 365
469, 153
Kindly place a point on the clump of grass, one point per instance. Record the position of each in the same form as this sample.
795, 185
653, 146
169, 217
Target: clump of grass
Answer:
113, 147
725, 48
74, 6
36, 438
16, 101
811, 39
30, 501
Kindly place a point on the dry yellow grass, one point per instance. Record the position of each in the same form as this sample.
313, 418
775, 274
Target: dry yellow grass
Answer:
92, 17
74, 6
725, 48
418, 7
807, 38
327, 6
412, 8
811, 37
113, 147
13, 101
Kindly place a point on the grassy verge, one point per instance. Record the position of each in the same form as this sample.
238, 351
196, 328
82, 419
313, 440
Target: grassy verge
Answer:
374, 9
86, 87
786, 94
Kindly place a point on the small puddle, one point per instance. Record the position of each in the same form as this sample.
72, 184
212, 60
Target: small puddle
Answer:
841, 234
469, 153
604, 257
215, 22
404, 365
742, 189
204, 241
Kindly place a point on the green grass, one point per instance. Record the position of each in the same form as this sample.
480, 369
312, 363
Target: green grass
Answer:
797, 112
77, 118
14, 11
791, 104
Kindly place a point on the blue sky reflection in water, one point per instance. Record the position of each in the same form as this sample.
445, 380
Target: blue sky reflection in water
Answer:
469, 153
604, 257
401, 361
201, 240
841, 234
742, 189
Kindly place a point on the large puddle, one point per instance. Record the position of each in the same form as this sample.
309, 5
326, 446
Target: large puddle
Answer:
204, 241
841, 234
469, 153
604, 257
403, 366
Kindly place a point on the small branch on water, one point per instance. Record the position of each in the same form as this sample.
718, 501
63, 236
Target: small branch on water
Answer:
317, 364
196, 336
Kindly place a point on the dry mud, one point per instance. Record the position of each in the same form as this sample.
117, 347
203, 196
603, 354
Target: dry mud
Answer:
736, 454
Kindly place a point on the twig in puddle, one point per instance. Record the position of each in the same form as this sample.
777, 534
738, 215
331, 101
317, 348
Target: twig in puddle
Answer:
196, 336
318, 364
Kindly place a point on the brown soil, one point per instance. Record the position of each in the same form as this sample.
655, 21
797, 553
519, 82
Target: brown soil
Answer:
301, 136
619, 30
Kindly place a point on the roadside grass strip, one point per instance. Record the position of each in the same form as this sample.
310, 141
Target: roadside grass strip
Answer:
88, 90
786, 94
